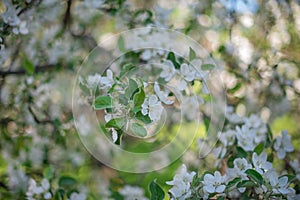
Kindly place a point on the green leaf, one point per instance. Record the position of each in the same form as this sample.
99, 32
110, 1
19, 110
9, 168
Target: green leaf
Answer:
67, 181
255, 176
246, 183
233, 182
269, 137
192, 54
220, 198
120, 133
48, 172
241, 153
138, 129
84, 89
127, 68
131, 89
143, 118
230, 161
121, 44
259, 148
156, 193
102, 102
28, 66
172, 58
207, 66
116, 123
138, 98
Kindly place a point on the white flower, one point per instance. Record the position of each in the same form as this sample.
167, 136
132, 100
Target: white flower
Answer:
132, 192
181, 184
77, 196
260, 162
10, 16
233, 117
296, 166
146, 55
190, 107
241, 165
279, 185
214, 183
199, 73
34, 190
163, 96
114, 135
245, 138
187, 71
228, 137
283, 144
256, 124
168, 70
93, 3
93, 81
107, 81
152, 107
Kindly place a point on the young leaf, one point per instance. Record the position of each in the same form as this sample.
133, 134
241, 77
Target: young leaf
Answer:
172, 58
259, 148
233, 182
241, 153
192, 54
48, 172
138, 129
156, 193
207, 66
131, 89
246, 183
116, 123
28, 66
138, 98
143, 118
66, 181
102, 102
127, 68
121, 44
255, 176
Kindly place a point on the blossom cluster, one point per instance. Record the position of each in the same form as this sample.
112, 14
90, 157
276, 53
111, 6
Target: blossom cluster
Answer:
248, 170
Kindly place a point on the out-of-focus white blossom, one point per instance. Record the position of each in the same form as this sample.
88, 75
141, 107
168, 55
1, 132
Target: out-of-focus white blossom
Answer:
296, 166
132, 192
168, 70
35, 191
163, 96
190, 107
283, 144
77, 196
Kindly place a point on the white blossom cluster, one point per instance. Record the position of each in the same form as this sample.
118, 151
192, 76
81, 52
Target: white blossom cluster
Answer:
38, 191
132, 192
11, 18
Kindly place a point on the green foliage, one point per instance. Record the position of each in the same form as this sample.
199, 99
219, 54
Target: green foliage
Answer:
102, 102
156, 191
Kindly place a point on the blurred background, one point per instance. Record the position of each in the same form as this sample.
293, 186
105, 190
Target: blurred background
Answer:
44, 42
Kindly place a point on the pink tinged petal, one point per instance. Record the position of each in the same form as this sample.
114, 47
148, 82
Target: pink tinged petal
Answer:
220, 188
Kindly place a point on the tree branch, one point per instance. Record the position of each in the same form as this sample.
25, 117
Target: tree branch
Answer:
37, 69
